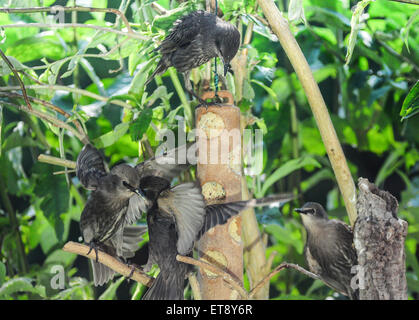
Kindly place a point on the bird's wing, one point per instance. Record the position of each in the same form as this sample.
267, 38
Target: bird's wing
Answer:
90, 167
348, 256
168, 165
186, 205
183, 32
132, 235
136, 206
312, 263
217, 214
340, 257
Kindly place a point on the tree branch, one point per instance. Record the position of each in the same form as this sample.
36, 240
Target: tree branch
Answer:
330, 140
57, 161
234, 283
73, 90
284, 265
22, 86
75, 8
76, 25
53, 107
109, 261
54, 121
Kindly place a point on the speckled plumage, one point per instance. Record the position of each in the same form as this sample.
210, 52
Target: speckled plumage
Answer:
194, 40
329, 249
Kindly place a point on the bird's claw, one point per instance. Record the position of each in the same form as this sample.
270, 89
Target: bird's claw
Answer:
133, 267
92, 246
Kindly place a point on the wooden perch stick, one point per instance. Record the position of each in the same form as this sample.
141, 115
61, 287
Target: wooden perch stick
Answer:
109, 261
334, 150
56, 161
228, 278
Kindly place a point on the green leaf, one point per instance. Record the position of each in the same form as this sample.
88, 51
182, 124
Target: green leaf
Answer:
61, 257
4, 68
15, 140
2, 272
355, 27
20, 285
286, 169
111, 137
137, 84
110, 292
99, 4
269, 91
405, 31
93, 76
141, 124
53, 192
285, 235
34, 48
411, 103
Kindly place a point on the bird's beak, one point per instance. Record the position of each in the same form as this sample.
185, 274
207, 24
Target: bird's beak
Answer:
227, 67
140, 192
301, 210
135, 190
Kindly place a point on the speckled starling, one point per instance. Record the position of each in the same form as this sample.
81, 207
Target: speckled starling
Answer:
115, 204
194, 40
329, 249
179, 218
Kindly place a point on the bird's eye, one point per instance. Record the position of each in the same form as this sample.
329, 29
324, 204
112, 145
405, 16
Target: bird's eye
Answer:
312, 211
126, 184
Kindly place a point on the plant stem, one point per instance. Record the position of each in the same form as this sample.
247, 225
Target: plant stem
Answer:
70, 89
182, 96
73, 9
76, 25
334, 150
14, 223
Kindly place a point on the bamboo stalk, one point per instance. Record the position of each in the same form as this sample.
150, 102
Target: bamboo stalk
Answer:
334, 150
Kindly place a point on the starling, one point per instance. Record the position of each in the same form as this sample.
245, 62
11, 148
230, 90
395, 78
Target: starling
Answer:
179, 218
329, 249
116, 202
194, 40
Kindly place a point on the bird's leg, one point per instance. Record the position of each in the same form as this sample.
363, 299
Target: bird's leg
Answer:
93, 246
133, 266
148, 265
189, 89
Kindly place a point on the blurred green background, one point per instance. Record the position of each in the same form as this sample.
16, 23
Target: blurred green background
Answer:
368, 100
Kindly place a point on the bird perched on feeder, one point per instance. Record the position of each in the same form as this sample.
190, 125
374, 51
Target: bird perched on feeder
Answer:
329, 249
194, 40
115, 204
178, 219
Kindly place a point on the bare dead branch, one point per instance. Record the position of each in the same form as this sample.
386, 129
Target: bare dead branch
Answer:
109, 261
234, 283
278, 269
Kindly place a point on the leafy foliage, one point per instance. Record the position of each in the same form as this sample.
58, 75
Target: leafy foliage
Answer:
97, 76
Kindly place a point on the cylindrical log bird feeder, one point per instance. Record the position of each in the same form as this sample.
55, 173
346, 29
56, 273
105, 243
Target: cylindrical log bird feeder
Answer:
219, 170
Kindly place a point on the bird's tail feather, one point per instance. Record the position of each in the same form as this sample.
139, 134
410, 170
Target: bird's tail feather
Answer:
101, 273
161, 67
166, 287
